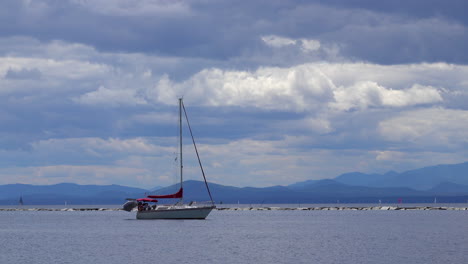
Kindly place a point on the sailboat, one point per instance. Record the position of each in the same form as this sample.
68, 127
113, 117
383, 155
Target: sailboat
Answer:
21, 201
178, 210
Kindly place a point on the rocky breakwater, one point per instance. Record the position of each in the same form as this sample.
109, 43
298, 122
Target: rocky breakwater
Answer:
332, 208
60, 209
327, 208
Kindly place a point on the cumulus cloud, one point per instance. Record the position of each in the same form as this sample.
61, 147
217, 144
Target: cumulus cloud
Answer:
315, 87
269, 88
309, 45
307, 87
59, 69
306, 45
370, 94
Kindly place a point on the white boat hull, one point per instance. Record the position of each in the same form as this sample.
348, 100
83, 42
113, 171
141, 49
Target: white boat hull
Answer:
189, 212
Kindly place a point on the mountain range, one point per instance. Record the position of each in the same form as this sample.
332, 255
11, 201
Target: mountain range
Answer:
419, 179
449, 183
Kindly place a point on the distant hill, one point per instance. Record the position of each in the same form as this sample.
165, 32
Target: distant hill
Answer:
419, 179
321, 191
156, 188
333, 188
363, 179
449, 183
196, 191
299, 185
449, 188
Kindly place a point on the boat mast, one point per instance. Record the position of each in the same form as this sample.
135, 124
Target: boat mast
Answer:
180, 144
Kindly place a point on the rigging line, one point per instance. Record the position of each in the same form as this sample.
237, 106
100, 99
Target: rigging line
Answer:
196, 151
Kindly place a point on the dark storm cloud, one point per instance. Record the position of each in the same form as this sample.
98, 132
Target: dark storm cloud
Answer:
414, 31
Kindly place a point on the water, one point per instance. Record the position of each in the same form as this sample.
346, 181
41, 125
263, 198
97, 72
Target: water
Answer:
344, 205
236, 237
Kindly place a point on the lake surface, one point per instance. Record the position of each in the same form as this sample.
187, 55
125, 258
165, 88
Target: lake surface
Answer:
236, 237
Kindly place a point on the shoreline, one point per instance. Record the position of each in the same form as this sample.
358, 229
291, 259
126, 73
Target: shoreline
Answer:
270, 208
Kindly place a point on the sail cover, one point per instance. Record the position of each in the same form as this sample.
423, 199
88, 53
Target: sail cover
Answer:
174, 195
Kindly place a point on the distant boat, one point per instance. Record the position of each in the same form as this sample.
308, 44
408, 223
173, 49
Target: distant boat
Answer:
178, 210
21, 201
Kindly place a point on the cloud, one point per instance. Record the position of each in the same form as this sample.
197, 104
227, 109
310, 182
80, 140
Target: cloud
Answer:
101, 175
110, 97
155, 118
389, 155
135, 8
364, 31
244, 162
269, 88
265, 162
307, 45
436, 127
305, 89
277, 41
50, 68
100, 148
369, 94
23, 74
134, 161
312, 86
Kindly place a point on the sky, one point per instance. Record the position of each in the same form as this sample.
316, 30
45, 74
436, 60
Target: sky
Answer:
277, 91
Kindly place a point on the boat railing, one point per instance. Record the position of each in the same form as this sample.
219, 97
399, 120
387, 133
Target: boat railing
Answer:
201, 203
169, 206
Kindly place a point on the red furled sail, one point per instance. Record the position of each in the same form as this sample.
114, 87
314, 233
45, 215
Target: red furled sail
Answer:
178, 194
147, 200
